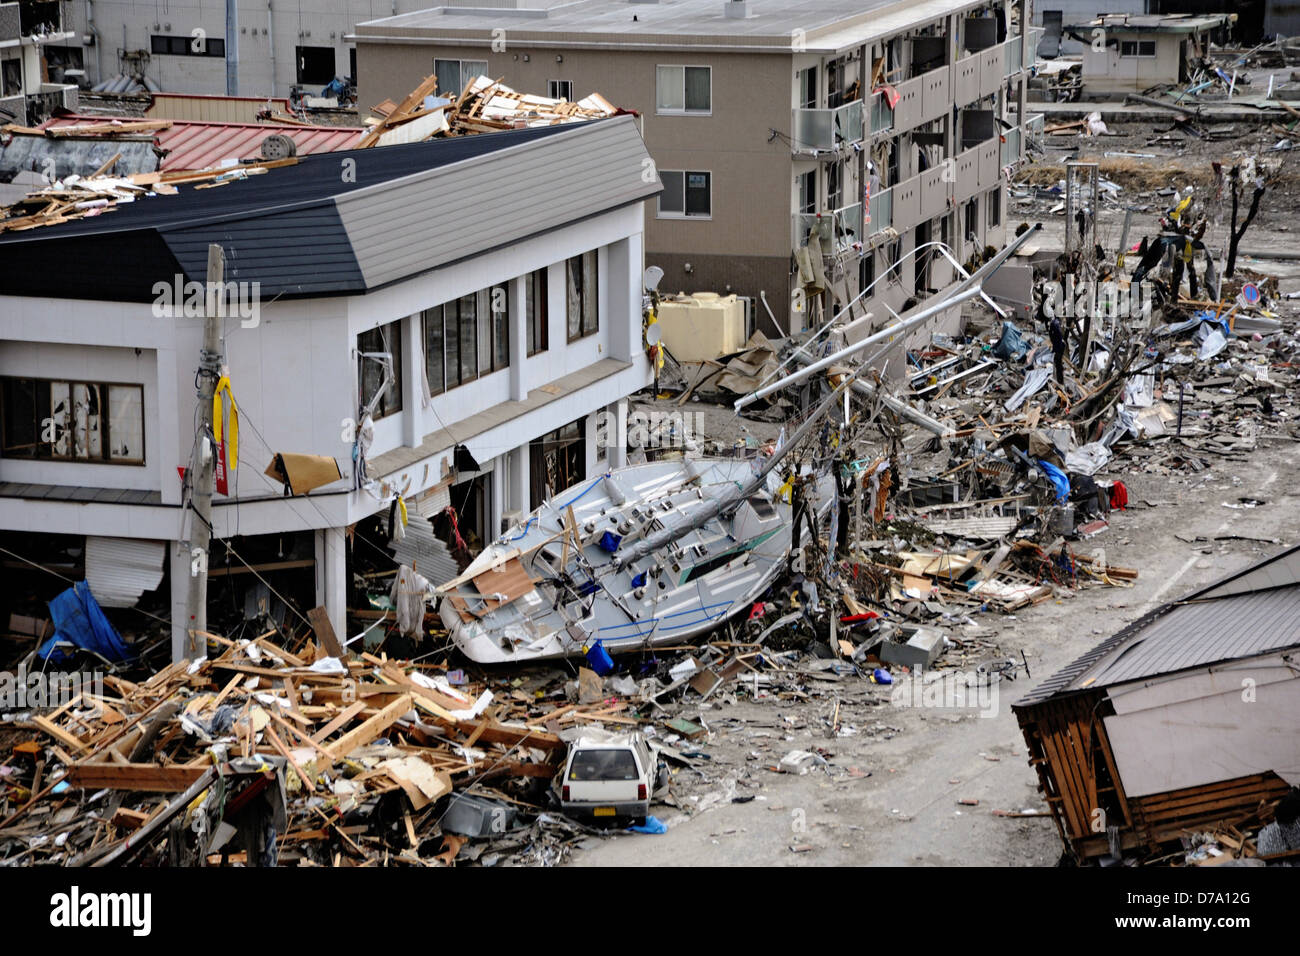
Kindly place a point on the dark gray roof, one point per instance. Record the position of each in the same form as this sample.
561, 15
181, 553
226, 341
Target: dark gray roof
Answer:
1246, 613
344, 222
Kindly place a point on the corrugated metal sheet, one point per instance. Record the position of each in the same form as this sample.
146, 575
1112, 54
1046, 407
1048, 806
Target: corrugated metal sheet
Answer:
424, 552
193, 144
1246, 613
120, 570
209, 109
399, 228
1205, 633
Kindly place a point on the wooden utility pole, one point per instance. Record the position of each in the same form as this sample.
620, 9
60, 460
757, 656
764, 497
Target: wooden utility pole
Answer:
210, 361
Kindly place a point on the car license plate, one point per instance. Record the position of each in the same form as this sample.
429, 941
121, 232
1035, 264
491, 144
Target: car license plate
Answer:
603, 812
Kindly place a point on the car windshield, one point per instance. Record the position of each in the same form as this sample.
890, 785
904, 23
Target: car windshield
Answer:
603, 765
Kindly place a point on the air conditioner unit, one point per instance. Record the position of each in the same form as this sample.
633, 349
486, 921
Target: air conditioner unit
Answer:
511, 518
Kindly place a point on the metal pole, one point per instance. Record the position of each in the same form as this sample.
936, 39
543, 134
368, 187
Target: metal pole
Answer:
210, 360
232, 48
834, 357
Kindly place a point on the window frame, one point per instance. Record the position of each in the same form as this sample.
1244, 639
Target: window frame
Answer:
484, 338
182, 45
993, 214
685, 110
661, 213
105, 433
1137, 48
588, 294
460, 70
537, 312
398, 358
553, 90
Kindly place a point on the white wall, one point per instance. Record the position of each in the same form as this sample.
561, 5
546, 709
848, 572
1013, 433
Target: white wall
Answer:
295, 381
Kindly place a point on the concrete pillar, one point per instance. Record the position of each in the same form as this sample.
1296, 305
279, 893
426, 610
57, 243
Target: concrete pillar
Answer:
500, 478
517, 496
518, 339
589, 444
616, 434
334, 580
178, 554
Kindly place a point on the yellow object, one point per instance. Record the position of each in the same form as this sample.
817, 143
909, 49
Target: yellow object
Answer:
401, 507
218, 419
786, 489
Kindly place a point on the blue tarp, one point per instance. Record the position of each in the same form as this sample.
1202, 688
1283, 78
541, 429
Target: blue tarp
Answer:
79, 619
1058, 478
1012, 346
652, 825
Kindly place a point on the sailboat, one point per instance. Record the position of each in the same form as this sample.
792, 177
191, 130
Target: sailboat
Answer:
646, 555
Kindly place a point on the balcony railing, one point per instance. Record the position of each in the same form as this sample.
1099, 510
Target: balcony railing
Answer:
882, 117
827, 129
836, 229
1012, 56
1011, 146
882, 212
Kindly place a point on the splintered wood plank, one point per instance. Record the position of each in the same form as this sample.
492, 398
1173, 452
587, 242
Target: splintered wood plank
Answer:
62, 736
320, 623
371, 729
348, 713
134, 776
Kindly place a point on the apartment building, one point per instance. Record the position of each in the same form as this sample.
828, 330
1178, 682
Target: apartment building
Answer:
182, 46
881, 126
36, 48
426, 319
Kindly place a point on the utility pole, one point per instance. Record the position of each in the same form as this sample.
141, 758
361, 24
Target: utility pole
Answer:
232, 47
210, 361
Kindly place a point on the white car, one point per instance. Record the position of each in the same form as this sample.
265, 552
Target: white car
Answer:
611, 777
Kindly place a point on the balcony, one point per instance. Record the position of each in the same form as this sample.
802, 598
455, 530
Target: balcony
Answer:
41, 105
882, 117
882, 212
818, 131
1011, 149
837, 229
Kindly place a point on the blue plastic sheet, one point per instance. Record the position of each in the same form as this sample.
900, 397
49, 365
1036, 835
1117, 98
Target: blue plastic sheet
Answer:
1012, 346
1057, 477
609, 541
78, 619
652, 825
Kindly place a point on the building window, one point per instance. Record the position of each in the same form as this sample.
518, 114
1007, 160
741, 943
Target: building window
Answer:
1143, 48
806, 183
972, 220
72, 421
187, 46
581, 288
687, 193
371, 371
315, 64
836, 93
560, 90
994, 203
467, 338
866, 271
834, 186
808, 88
684, 89
536, 314
11, 77
895, 255
455, 75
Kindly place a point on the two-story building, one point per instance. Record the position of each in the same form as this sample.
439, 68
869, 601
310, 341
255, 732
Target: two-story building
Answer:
886, 126
480, 297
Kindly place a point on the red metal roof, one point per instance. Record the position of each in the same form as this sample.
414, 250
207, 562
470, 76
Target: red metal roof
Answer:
195, 145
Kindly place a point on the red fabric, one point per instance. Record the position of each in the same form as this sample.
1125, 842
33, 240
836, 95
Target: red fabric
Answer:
1118, 496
